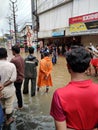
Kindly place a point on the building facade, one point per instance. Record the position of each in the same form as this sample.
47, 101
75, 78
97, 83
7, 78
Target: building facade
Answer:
65, 21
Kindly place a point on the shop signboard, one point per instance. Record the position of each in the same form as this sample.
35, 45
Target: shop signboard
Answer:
58, 33
84, 24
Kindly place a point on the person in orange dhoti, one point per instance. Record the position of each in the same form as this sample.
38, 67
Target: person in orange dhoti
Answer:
45, 69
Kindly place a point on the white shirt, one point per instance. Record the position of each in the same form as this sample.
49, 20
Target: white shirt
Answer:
93, 48
7, 72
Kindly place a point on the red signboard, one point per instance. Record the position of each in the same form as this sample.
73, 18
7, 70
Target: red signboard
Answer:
84, 18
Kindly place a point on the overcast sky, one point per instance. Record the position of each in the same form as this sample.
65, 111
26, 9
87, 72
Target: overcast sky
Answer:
23, 14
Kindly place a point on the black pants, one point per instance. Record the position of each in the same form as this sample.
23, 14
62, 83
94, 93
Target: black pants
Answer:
33, 86
18, 93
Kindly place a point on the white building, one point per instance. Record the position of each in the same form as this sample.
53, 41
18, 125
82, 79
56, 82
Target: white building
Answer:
55, 16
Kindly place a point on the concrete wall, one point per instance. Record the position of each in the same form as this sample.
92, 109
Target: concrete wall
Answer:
56, 18
81, 7
43, 5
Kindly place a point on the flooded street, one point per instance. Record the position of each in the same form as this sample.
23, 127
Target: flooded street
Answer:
53, 26
35, 114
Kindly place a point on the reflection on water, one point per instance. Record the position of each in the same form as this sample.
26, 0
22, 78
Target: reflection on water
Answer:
29, 122
35, 115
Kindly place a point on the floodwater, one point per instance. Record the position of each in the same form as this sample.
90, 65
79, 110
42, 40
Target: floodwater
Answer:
35, 114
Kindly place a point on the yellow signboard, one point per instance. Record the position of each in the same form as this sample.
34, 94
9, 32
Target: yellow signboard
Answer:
77, 27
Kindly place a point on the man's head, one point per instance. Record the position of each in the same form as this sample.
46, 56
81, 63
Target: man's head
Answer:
15, 49
46, 53
3, 53
31, 50
78, 59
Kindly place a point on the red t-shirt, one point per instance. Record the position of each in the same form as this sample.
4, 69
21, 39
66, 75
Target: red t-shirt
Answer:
94, 62
77, 103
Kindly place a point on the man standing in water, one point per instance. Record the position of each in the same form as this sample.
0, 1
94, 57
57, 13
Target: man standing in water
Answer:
30, 72
7, 89
45, 69
75, 106
19, 63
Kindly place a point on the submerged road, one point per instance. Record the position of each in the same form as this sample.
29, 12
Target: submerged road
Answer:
35, 114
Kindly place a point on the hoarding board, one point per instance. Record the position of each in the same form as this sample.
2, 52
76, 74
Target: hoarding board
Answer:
88, 22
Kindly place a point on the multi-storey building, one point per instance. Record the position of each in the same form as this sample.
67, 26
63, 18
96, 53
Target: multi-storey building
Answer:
65, 21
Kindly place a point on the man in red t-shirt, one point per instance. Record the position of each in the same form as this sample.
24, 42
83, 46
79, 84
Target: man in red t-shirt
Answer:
75, 106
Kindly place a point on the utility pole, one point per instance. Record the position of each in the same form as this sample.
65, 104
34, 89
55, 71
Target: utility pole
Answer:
9, 21
10, 26
3, 34
9, 18
14, 18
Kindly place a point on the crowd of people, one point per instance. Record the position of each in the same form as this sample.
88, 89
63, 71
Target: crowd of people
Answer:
12, 74
70, 104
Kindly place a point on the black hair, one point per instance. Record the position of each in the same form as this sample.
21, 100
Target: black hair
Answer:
3, 53
31, 50
46, 53
78, 59
16, 49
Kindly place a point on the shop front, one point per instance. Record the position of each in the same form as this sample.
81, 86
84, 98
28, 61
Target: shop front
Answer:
85, 26
56, 37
